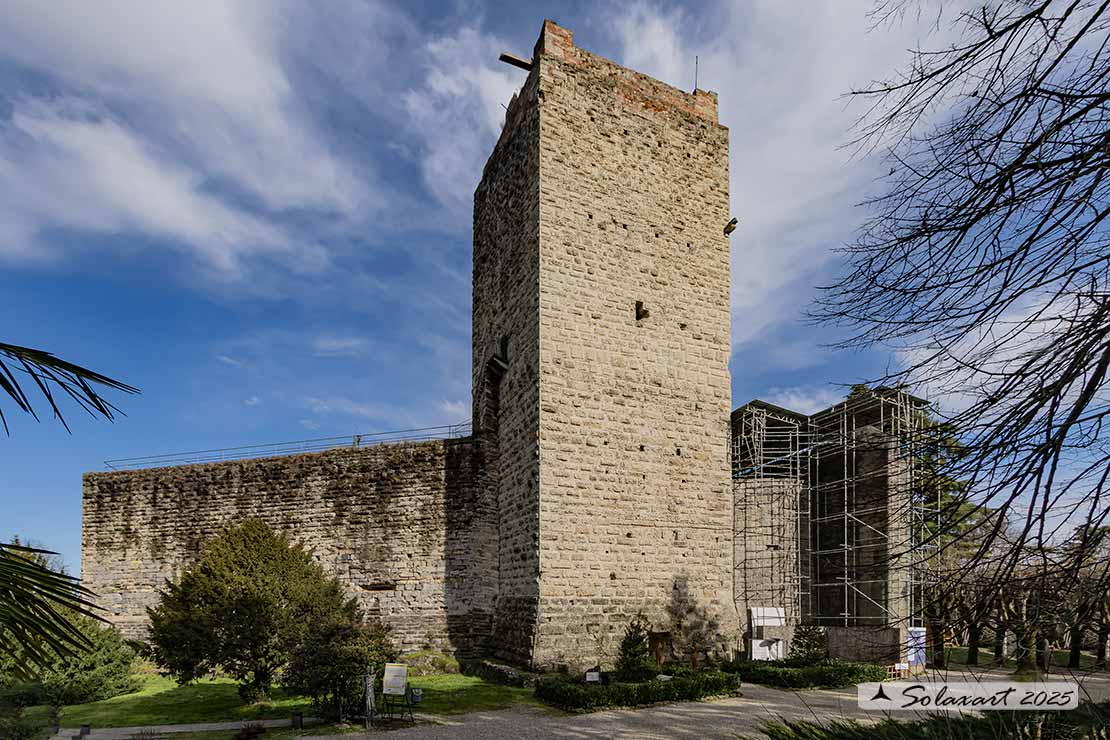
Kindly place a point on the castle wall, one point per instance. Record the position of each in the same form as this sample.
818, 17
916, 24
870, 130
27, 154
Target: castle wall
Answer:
635, 504
404, 527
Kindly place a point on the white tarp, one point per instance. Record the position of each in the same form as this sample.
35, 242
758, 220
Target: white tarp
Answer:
767, 616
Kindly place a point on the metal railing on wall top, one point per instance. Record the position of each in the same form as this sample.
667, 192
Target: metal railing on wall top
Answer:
354, 441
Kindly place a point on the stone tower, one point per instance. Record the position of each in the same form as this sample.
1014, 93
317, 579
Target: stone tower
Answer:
601, 347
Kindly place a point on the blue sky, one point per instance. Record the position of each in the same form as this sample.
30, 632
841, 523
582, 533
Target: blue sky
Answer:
259, 212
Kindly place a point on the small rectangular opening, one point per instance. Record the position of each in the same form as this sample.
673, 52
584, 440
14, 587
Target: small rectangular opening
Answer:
641, 312
380, 586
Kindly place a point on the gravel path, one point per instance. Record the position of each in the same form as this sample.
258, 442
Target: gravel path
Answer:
738, 717
723, 718
123, 733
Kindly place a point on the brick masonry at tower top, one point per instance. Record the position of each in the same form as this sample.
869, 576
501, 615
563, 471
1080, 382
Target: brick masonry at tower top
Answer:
601, 344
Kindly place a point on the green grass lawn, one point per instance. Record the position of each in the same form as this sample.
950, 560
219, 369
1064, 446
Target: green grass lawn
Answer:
161, 701
454, 693
958, 656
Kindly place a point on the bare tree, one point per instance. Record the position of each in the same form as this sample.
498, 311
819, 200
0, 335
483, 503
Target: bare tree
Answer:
984, 263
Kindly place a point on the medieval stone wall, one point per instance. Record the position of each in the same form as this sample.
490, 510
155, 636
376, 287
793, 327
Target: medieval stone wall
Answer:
406, 529
505, 360
635, 501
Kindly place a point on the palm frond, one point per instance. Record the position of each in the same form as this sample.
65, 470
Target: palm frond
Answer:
34, 602
53, 375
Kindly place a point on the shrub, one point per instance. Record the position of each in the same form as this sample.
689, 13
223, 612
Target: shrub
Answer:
430, 663
14, 726
1086, 723
243, 608
810, 645
21, 694
329, 665
102, 672
634, 662
567, 694
827, 674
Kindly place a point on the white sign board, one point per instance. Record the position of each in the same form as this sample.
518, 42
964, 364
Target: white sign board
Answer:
593, 676
395, 679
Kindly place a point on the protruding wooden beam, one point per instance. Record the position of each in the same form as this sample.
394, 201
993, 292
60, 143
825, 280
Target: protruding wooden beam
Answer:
513, 59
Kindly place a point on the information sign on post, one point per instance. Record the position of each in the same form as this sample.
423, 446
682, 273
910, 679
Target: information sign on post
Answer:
395, 679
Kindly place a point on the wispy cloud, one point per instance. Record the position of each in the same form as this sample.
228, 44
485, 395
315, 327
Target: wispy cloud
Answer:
339, 346
178, 122
805, 400
463, 90
228, 360
456, 409
781, 76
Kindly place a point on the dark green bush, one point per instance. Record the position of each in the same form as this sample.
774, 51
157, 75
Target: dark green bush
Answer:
810, 645
253, 597
14, 726
827, 674
572, 695
101, 672
1086, 723
21, 694
634, 662
329, 666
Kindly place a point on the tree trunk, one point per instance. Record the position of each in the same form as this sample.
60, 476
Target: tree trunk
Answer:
1026, 647
936, 630
999, 646
1100, 650
1043, 656
973, 636
1075, 646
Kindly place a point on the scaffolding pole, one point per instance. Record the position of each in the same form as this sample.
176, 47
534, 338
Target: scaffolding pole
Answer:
847, 482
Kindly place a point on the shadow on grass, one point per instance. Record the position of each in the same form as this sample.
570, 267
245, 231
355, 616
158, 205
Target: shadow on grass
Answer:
456, 694
161, 701
957, 657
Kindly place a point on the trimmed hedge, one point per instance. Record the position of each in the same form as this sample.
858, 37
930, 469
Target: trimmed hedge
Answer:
568, 694
825, 674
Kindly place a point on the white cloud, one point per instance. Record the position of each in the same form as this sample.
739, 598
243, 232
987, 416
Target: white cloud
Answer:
780, 75
207, 73
457, 410
64, 165
168, 110
228, 360
339, 346
805, 399
252, 401
456, 112
388, 417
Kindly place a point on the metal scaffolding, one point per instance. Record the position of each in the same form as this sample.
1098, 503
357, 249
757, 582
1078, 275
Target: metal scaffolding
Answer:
859, 511
773, 516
